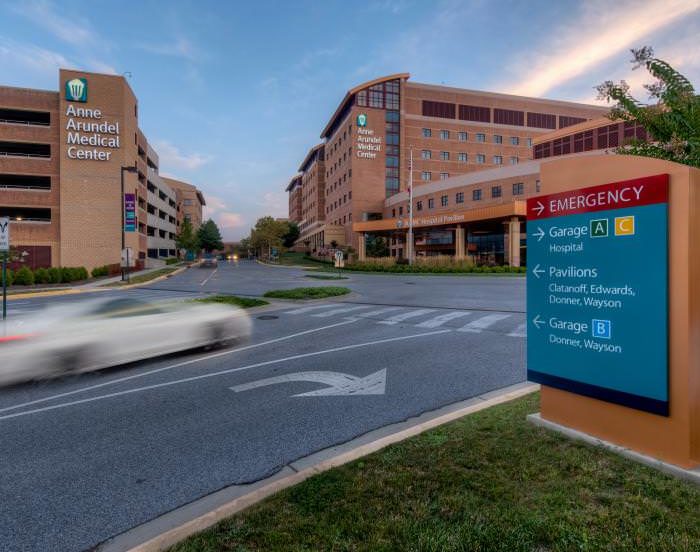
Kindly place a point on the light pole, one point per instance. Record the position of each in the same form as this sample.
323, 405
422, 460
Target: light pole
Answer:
129, 169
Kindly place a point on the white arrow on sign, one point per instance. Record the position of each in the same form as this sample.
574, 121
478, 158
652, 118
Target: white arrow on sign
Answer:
339, 384
537, 271
539, 208
537, 321
539, 234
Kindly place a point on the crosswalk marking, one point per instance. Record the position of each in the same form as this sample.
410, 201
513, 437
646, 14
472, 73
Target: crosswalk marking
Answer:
339, 311
520, 331
477, 326
312, 308
379, 312
441, 319
405, 316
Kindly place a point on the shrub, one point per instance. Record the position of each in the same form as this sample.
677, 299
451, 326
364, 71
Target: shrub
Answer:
171, 260
41, 276
55, 274
24, 277
100, 271
8, 276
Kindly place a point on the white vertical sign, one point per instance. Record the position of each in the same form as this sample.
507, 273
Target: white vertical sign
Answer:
4, 234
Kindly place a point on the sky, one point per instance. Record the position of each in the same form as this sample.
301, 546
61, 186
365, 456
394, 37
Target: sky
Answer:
233, 94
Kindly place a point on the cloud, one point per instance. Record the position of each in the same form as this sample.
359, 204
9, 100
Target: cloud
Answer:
181, 47
172, 158
74, 30
217, 209
601, 31
229, 220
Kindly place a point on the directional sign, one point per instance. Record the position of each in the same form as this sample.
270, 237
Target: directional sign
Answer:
336, 383
339, 259
129, 212
597, 296
4, 234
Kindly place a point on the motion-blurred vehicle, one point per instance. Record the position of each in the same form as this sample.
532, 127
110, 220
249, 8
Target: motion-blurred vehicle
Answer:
235, 257
209, 261
98, 333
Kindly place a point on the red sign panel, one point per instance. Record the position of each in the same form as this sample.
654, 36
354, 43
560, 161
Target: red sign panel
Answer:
628, 193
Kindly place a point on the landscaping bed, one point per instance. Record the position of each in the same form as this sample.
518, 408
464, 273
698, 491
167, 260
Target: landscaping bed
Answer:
307, 292
243, 302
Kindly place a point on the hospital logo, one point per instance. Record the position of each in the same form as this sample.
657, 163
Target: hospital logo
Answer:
624, 226
362, 120
76, 90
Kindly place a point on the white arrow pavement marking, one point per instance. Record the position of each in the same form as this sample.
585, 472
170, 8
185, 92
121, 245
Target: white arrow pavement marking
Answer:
520, 331
539, 234
537, 321
220, 373
539, 208
482, 323
405, 316
177, 365
338, 311
537, 271
440, 320
339, 384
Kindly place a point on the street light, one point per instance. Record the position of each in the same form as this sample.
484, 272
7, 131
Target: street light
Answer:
129, 169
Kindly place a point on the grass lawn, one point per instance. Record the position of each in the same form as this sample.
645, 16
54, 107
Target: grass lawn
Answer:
326, 276
143, 278
488, 482
293, 258
243, 302
307, 292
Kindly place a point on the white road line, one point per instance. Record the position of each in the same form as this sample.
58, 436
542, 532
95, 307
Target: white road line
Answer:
405, 316
338, 311
441, 319
482, 323
214, 374
209, 277
378, 312
179, 364
520, 331
302, 310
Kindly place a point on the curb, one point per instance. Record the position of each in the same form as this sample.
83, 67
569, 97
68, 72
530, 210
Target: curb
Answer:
173, 527
33, 295
149, 282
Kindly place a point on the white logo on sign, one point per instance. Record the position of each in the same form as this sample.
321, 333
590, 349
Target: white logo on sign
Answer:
4, 234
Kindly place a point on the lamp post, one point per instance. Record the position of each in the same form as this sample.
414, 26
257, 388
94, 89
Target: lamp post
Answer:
129, 169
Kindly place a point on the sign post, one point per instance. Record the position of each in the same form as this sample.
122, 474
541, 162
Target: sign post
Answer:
597, 303
339, 260
4, 250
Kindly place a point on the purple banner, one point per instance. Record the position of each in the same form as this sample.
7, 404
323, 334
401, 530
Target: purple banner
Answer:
129, 212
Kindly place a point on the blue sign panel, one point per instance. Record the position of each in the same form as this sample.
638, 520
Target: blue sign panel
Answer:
597, 292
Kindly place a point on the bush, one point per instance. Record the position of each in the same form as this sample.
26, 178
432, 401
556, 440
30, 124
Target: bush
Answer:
41, 276
54, 275
99, 271
24, 277
171, 260
8, 276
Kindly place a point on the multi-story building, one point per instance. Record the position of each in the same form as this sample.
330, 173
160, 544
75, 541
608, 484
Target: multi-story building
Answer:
63, 155
384, 128
190, 202
294, 190
313, 178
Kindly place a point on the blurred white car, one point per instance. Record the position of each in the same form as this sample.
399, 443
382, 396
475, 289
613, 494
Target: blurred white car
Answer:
97, 333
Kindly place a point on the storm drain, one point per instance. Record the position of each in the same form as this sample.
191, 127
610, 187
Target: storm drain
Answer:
267, 317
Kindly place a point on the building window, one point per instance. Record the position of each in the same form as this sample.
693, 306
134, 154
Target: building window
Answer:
393, 213
443, 201
445, 155
459, 198
444, 176
462, 136
528, 141
514, 141
498, 160
496, 191
462, 157
518, 188
538, 186
419, 205
476, 195
427, 133
426, 154
514, 160
480, 158
426, 175
444, 135
401, 211
497, 139
480, 137
431, 203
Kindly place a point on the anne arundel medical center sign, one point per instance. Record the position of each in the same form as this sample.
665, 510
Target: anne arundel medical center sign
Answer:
89, 136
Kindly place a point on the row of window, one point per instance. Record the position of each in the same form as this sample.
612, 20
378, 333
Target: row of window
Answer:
339, 202
496, 192
346, 218
480, 137
462, 157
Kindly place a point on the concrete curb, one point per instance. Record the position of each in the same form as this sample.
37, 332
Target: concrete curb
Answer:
34, 295
169, 529
149, 282
670, 469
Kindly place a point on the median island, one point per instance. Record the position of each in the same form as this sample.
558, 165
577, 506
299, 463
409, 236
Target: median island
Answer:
489, 481
307, 292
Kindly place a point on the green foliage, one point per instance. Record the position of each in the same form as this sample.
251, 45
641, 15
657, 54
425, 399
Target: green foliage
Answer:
292, 234
187, 238
268, 233
243, 302
9, 276
55, 275
24, 277
41, 276
209, 237
672, 123
376, 246
99, 271
426, 267
171, 261
307, 292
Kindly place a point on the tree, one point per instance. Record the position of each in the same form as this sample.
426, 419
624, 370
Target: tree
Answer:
186, 238
268, 233
376, 246
292, 234
672, 123
209, 236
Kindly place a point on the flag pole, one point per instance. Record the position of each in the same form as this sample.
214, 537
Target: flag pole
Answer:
410, 209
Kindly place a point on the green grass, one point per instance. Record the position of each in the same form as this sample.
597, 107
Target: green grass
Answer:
487, 482
143, 278
243, 302
326, 276
293, 258
307, 292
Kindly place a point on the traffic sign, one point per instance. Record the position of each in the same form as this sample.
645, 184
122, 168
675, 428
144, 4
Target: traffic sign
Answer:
339, 259
4, 233
597, 295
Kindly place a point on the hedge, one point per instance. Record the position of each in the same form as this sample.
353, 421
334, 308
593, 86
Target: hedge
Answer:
54, 275
403, 268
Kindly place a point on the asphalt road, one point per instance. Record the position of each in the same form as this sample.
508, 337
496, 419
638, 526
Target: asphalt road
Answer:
88, 457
